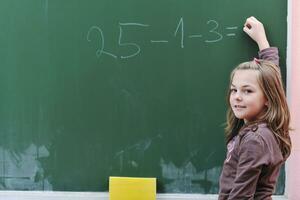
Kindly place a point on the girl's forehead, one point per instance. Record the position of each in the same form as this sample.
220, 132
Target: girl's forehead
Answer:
245, 78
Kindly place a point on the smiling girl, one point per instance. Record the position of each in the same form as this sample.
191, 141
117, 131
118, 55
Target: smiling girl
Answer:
257, 132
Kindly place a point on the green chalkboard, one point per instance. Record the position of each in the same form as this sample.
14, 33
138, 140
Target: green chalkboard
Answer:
99, 88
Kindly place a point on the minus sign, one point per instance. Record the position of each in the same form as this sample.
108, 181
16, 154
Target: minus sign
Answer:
195, 36
159, 41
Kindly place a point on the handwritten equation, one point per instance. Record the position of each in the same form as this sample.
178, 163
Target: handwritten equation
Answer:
214, 32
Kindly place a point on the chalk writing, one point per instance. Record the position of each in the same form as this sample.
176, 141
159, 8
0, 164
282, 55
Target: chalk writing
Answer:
134, 45
231, 28
213, 35
213, 31
100, 50
165, 41
180, 24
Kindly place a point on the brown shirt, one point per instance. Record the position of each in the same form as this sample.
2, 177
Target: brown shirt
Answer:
251, 168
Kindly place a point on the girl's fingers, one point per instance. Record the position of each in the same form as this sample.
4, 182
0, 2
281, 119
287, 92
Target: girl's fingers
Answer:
246, 29
249, 22
253, 18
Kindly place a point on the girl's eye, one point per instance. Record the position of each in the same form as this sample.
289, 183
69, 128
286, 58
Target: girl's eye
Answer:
247, 91
233, 90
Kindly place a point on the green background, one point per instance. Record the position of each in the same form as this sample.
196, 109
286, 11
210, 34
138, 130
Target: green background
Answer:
99, 88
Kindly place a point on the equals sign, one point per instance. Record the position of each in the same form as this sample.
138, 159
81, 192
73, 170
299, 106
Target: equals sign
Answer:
231, 28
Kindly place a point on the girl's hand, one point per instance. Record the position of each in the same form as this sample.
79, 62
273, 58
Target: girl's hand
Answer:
255, 29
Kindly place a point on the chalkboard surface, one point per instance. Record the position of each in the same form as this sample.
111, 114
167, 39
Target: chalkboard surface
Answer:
99, 88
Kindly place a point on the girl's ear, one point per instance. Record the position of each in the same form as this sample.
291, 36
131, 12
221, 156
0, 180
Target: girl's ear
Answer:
267, 103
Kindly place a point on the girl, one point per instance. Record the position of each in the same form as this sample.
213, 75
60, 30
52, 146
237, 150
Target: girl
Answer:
257, 132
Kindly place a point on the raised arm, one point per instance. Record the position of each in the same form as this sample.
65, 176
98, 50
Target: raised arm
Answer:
255, 29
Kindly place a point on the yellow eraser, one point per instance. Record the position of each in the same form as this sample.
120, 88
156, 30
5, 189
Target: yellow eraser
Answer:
128, 188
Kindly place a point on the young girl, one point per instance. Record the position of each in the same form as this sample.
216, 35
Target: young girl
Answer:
257, 132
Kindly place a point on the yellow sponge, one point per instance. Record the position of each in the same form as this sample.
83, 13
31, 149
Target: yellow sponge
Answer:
127, 188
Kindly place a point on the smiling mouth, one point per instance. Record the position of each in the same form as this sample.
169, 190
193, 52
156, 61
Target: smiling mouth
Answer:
238, 106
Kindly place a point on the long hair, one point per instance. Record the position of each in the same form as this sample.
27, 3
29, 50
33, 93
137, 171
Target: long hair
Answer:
277, 114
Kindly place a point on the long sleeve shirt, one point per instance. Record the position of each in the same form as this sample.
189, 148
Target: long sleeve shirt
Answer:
251, 168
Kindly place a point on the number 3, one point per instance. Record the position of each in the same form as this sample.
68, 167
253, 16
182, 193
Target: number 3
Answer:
219, 35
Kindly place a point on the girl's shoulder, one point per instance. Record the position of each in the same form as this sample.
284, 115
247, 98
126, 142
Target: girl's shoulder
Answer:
254, 134
256, 131
259, 136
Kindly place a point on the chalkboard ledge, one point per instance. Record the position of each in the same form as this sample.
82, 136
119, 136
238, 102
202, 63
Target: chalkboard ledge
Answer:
41, 195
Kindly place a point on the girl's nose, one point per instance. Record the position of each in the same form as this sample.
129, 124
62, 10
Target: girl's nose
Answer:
238, 96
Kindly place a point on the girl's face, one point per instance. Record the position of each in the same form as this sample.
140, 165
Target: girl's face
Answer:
246, 97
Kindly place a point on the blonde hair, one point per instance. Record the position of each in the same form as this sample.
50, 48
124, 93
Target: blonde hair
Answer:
277, 114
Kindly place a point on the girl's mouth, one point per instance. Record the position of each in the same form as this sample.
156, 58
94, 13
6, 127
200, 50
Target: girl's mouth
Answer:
239, 106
